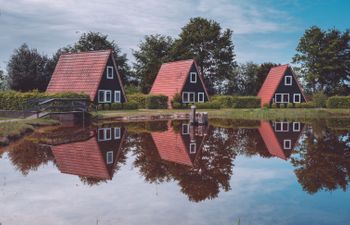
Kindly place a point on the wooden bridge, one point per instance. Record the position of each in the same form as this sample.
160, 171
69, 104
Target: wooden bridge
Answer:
41, 107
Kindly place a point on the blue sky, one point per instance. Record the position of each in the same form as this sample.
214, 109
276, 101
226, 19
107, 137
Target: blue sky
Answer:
264, 31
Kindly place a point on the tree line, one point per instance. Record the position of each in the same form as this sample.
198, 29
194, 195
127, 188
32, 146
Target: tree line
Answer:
322, 61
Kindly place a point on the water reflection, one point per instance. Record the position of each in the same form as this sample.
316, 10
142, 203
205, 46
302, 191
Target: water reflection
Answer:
199, 159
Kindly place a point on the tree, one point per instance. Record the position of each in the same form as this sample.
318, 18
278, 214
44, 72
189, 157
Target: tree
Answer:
153, 51
213, 49
94, 41
262, 72
2, 79
324, 59
27, 70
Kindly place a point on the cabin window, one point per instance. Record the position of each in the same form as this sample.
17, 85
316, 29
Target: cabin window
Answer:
296, 126
109, 72
281, 98
188, 97
104, 134
193, 77
296, 98
288, 80
287, 144
104, 96
185, 129
117, 133
193, 147
281, 126
200, 96
116, 96
109, 157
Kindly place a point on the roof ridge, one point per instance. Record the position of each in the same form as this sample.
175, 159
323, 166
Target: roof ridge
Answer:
76, 53
182, 60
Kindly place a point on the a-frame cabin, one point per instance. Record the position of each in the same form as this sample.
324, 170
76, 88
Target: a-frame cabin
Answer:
281, 86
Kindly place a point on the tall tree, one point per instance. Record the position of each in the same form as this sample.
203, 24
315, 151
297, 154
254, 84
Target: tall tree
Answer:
246, 78
27, 70
324, 59
94, 41
213, 49
262, 72
153, 51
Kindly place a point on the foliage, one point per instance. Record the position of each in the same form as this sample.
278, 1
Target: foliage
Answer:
305, 105
153, 51
156, 102
324, 58
12, 100
338, 102
225, 101
204, 40
28, 70
208, 105
131, 89
130, 105
139, 98
319, 99
247, 102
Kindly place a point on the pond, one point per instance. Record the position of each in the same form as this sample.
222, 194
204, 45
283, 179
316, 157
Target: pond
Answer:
169, 172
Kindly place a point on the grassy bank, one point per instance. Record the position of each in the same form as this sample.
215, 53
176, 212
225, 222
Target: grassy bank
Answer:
247, 114
10, 131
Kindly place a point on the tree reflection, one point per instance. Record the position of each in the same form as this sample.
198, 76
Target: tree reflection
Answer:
322, 162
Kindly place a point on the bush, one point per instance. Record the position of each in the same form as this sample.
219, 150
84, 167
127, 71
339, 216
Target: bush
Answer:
156, 102
12, 100
177, 105
290, 105
305, 105
338, 102
274, 106
319, 99
140, 99
247, 102
266, 106
130, 105
225, 101
208, 105
114, 106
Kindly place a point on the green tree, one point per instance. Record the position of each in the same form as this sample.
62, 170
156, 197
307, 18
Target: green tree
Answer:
28, 70
262, 72
324, 59
94, 41
204, 40
153, 51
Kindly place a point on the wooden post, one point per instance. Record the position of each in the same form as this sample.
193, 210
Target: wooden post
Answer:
193, 115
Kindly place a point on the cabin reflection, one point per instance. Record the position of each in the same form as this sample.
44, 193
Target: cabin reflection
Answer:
95, 158
280, 137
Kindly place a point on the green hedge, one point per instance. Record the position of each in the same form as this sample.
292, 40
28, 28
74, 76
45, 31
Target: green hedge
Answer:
126, 105
208, 105
338, 102
226, 101
156, 102
246, 102
12, 100
140, 99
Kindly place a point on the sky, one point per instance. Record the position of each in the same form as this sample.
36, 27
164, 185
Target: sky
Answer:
264, 30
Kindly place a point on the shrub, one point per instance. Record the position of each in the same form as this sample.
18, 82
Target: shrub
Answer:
274, 106
319, 99
114, 106
156, 102
305, 105
140, 99
247, 102
130, 105
177, 105
266, 106
225, 101
338, 102
290, 105
208, 105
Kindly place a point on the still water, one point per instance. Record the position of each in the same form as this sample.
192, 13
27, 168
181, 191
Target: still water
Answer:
230, 172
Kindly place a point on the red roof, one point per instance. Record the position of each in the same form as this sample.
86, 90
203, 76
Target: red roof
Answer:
172, 77
270, 140
171, 147
80, 72
82, 159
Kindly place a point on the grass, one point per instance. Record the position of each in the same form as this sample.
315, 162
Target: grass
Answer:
247, 114
15, 129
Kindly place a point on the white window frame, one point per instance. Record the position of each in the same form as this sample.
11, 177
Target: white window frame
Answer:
115, 96
297, 94
281, 127
193, 94
104, 96
282, 101
289, 144
108, 75
185, 129
200, 94
105, 132
115, 132
109, 157
194, 149
193, 74
296, 123
285, 80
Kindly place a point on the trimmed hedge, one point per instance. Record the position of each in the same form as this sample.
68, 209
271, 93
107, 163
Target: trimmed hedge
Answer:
305, 105
126, 105
12, 100
338, 102
247, 102
208, 105
140, 99
156, 102
226, 101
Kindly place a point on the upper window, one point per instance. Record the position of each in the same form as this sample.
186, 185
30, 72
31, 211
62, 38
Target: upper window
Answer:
193, 77
109, 72
200, 96
185, 129
288, 80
